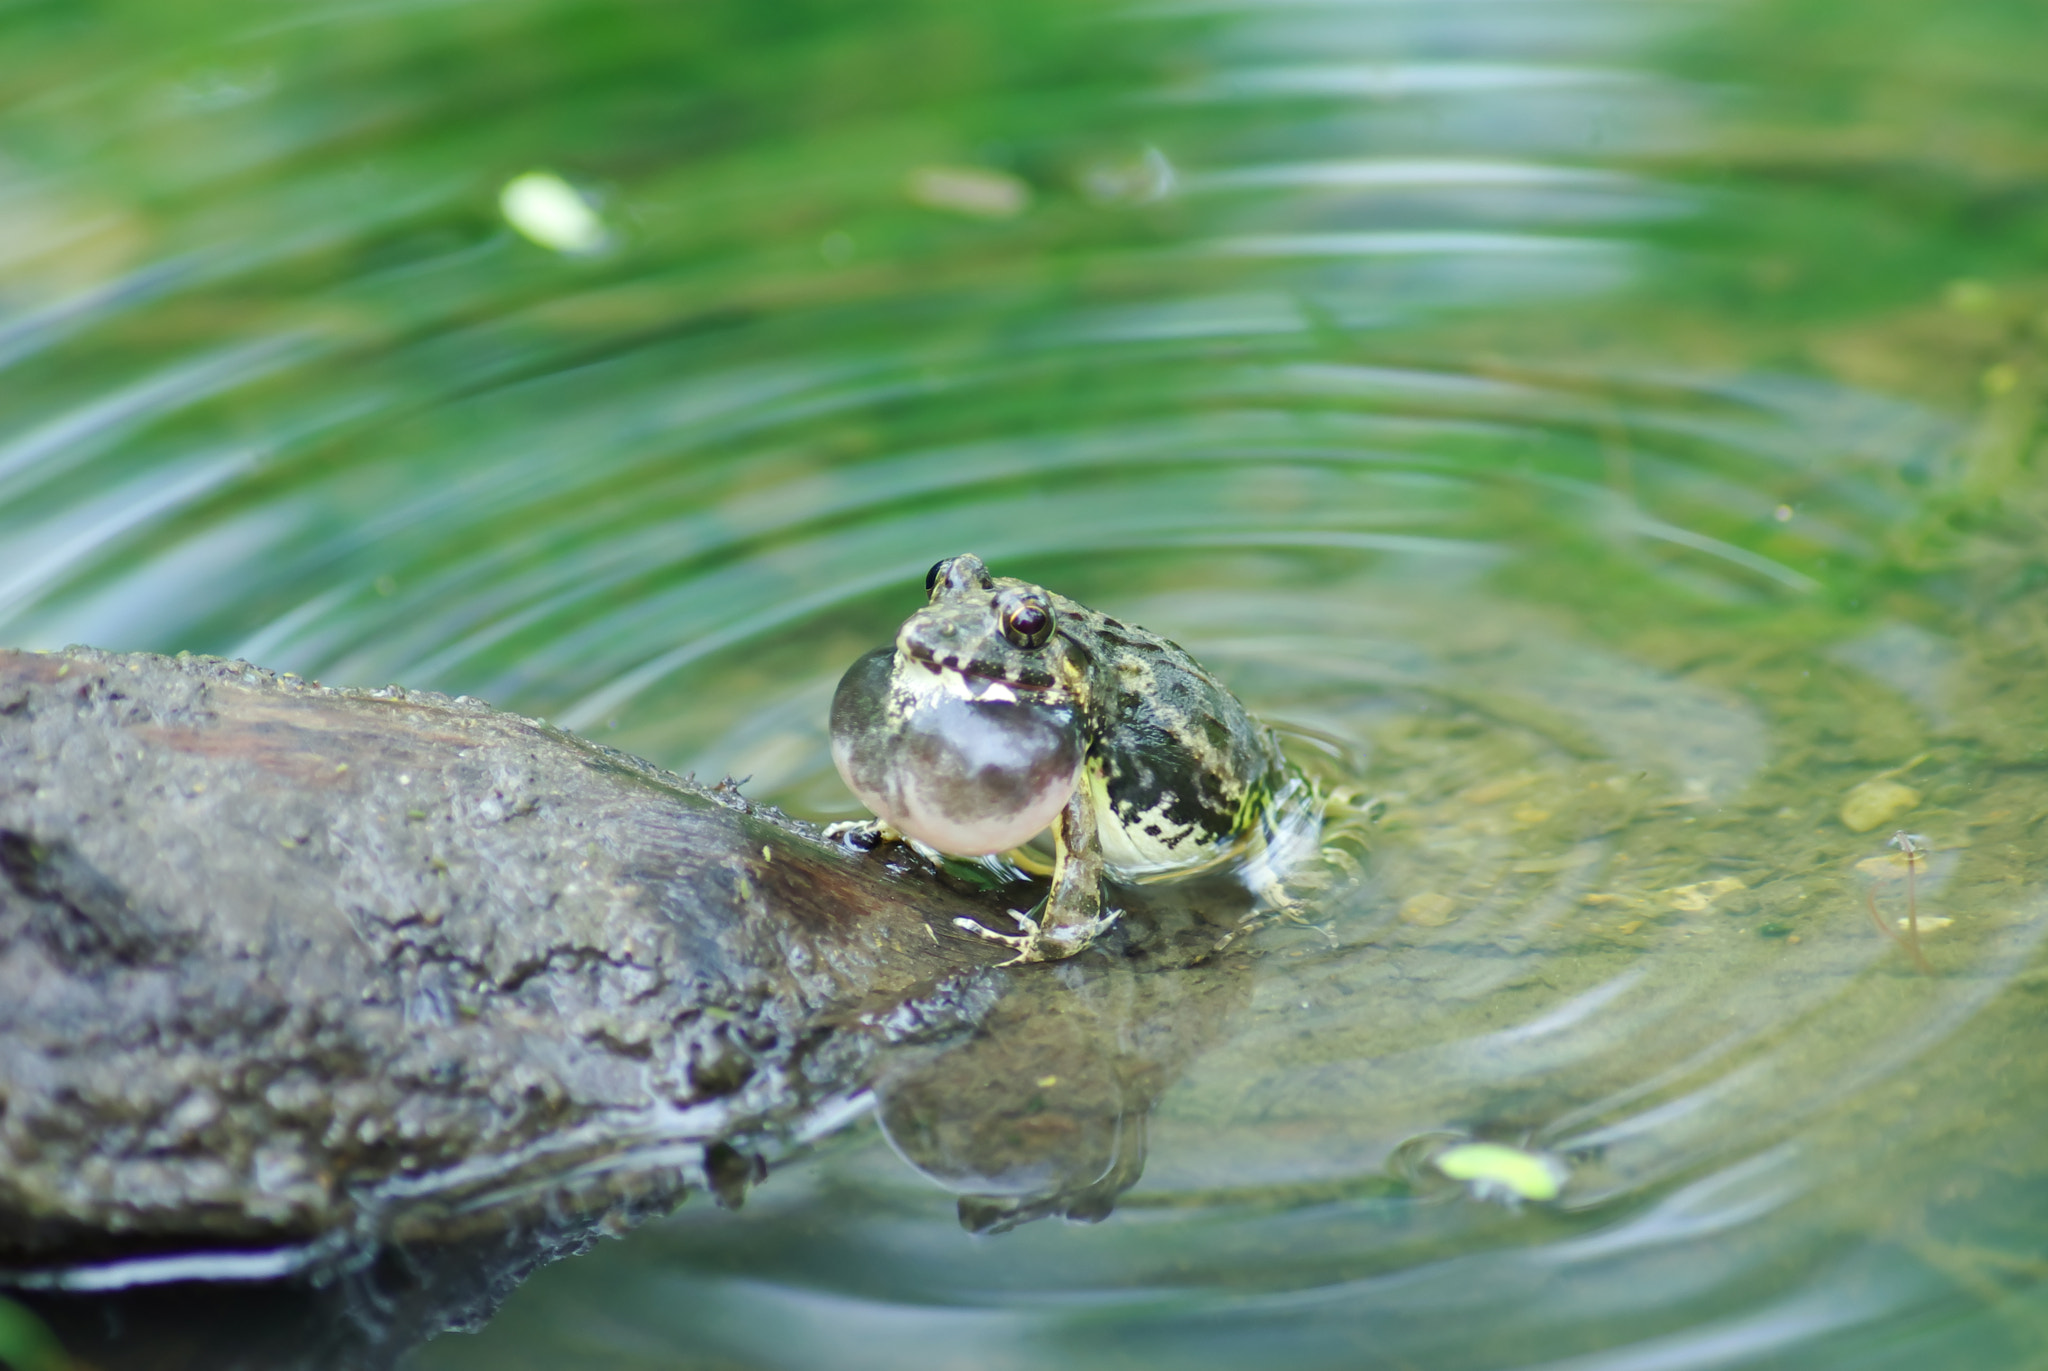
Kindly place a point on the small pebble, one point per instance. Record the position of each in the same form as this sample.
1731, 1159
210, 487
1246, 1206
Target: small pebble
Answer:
1876, 803
1692, 899
1428, 910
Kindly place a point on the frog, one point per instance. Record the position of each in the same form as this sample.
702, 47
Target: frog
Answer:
1003, 709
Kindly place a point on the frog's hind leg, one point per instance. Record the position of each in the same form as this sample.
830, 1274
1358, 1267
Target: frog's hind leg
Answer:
1292, 873
1072, 915
1030, 862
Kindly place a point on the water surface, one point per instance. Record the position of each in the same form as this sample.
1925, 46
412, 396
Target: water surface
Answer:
1610, 427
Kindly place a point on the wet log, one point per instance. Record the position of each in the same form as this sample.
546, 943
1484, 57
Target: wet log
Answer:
288, 973
357, 1006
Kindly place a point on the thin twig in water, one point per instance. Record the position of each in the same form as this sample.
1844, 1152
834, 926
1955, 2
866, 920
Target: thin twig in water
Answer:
1870, 903
1913, 905
1912, 847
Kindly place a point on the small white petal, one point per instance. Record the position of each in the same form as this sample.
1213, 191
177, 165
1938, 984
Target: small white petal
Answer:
552, 213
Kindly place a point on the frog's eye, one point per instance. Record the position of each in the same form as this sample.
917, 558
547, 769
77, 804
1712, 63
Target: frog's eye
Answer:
931, 578
1028, 624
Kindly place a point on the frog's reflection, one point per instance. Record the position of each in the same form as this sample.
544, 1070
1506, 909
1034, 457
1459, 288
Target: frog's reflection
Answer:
1038, 1113
1042, 1109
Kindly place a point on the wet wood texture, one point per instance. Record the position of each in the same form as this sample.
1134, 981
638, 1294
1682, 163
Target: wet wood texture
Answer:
299, 971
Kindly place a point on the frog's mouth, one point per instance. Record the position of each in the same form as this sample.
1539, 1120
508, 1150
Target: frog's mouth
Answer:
951, 675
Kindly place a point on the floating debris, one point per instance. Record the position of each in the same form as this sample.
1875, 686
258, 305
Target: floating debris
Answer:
551, 212
1875, 803
978, 192
1496, 1171
1136, 181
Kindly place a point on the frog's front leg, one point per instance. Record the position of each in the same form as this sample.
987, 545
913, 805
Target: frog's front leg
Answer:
862, 833
1072, 915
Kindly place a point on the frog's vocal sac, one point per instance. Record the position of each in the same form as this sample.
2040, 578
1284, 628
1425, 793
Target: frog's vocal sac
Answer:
1003, 708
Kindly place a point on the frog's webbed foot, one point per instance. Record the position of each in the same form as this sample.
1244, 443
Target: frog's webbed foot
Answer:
1038, 943
1279, 902
862, 833
1275, 901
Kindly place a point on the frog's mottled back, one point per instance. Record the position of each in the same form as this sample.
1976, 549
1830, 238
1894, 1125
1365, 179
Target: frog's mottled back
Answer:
1183, 767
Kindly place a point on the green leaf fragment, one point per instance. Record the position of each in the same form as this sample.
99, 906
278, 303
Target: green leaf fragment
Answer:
1525, 1175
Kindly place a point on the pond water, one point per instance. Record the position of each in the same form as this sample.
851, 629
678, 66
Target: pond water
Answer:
1610, 430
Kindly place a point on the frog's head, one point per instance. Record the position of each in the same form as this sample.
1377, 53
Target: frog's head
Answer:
982, 628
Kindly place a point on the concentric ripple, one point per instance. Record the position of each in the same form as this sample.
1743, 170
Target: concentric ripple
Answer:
1478, 388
